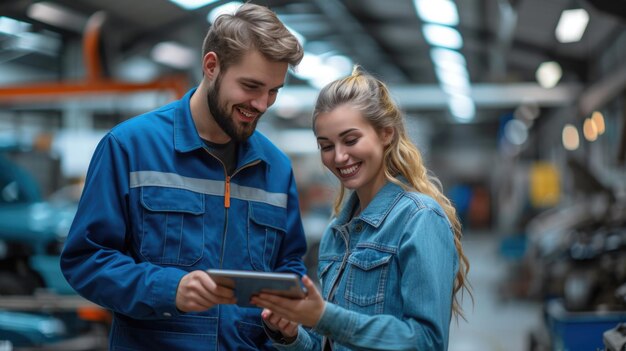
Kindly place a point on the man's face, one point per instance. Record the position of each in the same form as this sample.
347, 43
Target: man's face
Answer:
241, 94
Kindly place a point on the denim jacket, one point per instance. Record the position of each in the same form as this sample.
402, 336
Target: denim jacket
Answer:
387, 275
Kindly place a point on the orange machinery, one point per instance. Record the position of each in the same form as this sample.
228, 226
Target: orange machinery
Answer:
94, 83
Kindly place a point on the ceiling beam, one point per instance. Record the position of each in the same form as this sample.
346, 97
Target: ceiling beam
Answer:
414, 97
597, 95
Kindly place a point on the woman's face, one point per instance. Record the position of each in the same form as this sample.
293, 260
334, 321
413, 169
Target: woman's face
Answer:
351, 148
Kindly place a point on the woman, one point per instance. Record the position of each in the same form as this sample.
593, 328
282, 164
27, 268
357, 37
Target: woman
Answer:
391, 262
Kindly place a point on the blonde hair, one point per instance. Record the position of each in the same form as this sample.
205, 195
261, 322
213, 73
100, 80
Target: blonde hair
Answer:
251, 27
371, 97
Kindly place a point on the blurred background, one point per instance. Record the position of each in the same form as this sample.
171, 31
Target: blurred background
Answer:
518, 106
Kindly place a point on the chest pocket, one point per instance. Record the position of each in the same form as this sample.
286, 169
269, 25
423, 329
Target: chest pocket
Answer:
367, 279
266, 229
172, 226
326, 274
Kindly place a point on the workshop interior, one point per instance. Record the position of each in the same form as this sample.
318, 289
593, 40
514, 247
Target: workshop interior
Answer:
518, 107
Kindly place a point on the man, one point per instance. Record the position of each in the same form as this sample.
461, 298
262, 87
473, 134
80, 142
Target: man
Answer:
188, 187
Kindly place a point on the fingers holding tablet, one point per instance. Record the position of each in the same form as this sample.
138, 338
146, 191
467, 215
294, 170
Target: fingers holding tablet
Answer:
197, 292
246, 284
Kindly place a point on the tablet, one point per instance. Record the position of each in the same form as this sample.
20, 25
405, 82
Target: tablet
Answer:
249, 283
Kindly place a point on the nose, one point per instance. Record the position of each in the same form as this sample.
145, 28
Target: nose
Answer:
341, 156
261, 102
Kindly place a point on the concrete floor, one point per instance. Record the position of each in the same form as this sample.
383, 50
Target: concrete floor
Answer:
493, 323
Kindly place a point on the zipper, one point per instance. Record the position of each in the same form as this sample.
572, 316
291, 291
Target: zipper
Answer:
226, 206
256, 162
227, 193
227, 199
228, 178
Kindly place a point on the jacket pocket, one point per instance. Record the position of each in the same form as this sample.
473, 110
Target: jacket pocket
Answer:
185, 333
325, 275
172, 226
266, 228
249, 327
367, 278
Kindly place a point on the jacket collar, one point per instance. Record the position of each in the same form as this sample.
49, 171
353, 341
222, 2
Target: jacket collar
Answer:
187, 139
378, 208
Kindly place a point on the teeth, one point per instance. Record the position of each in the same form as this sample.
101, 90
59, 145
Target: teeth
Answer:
346, 171
247, 114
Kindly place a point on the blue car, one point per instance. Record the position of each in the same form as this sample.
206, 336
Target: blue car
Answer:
38, 308
32, 233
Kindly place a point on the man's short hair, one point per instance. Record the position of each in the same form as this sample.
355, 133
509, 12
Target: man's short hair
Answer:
251, 27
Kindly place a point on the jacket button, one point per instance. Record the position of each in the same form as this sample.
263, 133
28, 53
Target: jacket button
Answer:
167, 314
358, 227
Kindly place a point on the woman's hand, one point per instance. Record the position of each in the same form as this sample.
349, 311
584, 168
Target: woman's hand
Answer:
307, 311
286, 327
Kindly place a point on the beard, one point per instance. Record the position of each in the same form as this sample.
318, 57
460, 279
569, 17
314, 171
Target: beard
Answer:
238, 132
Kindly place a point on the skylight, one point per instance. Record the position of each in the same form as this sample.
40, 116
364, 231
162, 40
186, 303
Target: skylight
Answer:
572, 25
192, 4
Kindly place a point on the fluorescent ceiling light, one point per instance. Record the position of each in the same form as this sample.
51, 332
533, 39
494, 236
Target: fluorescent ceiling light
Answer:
192, 4
437, 11
12, 26
548, 74
450, 68
445, 57
309, 66
36, 42
56, 15
452, 78
325, 75
228, 8
173, 54
438, 35
572, 25
456, 90
462, 108
320, 70
341, 63
138, 69
454, 84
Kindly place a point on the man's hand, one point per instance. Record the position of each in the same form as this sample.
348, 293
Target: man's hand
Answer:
198, 292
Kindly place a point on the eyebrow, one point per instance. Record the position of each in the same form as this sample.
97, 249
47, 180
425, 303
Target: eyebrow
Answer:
340, 134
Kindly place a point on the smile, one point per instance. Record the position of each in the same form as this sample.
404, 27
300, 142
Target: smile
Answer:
349, 171
248, 116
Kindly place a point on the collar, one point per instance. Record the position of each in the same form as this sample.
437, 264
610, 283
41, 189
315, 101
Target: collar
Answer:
378, 208
187, 139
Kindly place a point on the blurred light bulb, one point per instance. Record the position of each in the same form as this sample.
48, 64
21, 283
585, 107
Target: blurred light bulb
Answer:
570, 137
589, 130
548, 74
598, 120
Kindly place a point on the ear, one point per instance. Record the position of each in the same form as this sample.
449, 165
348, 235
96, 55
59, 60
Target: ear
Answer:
387, 135
210, 65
